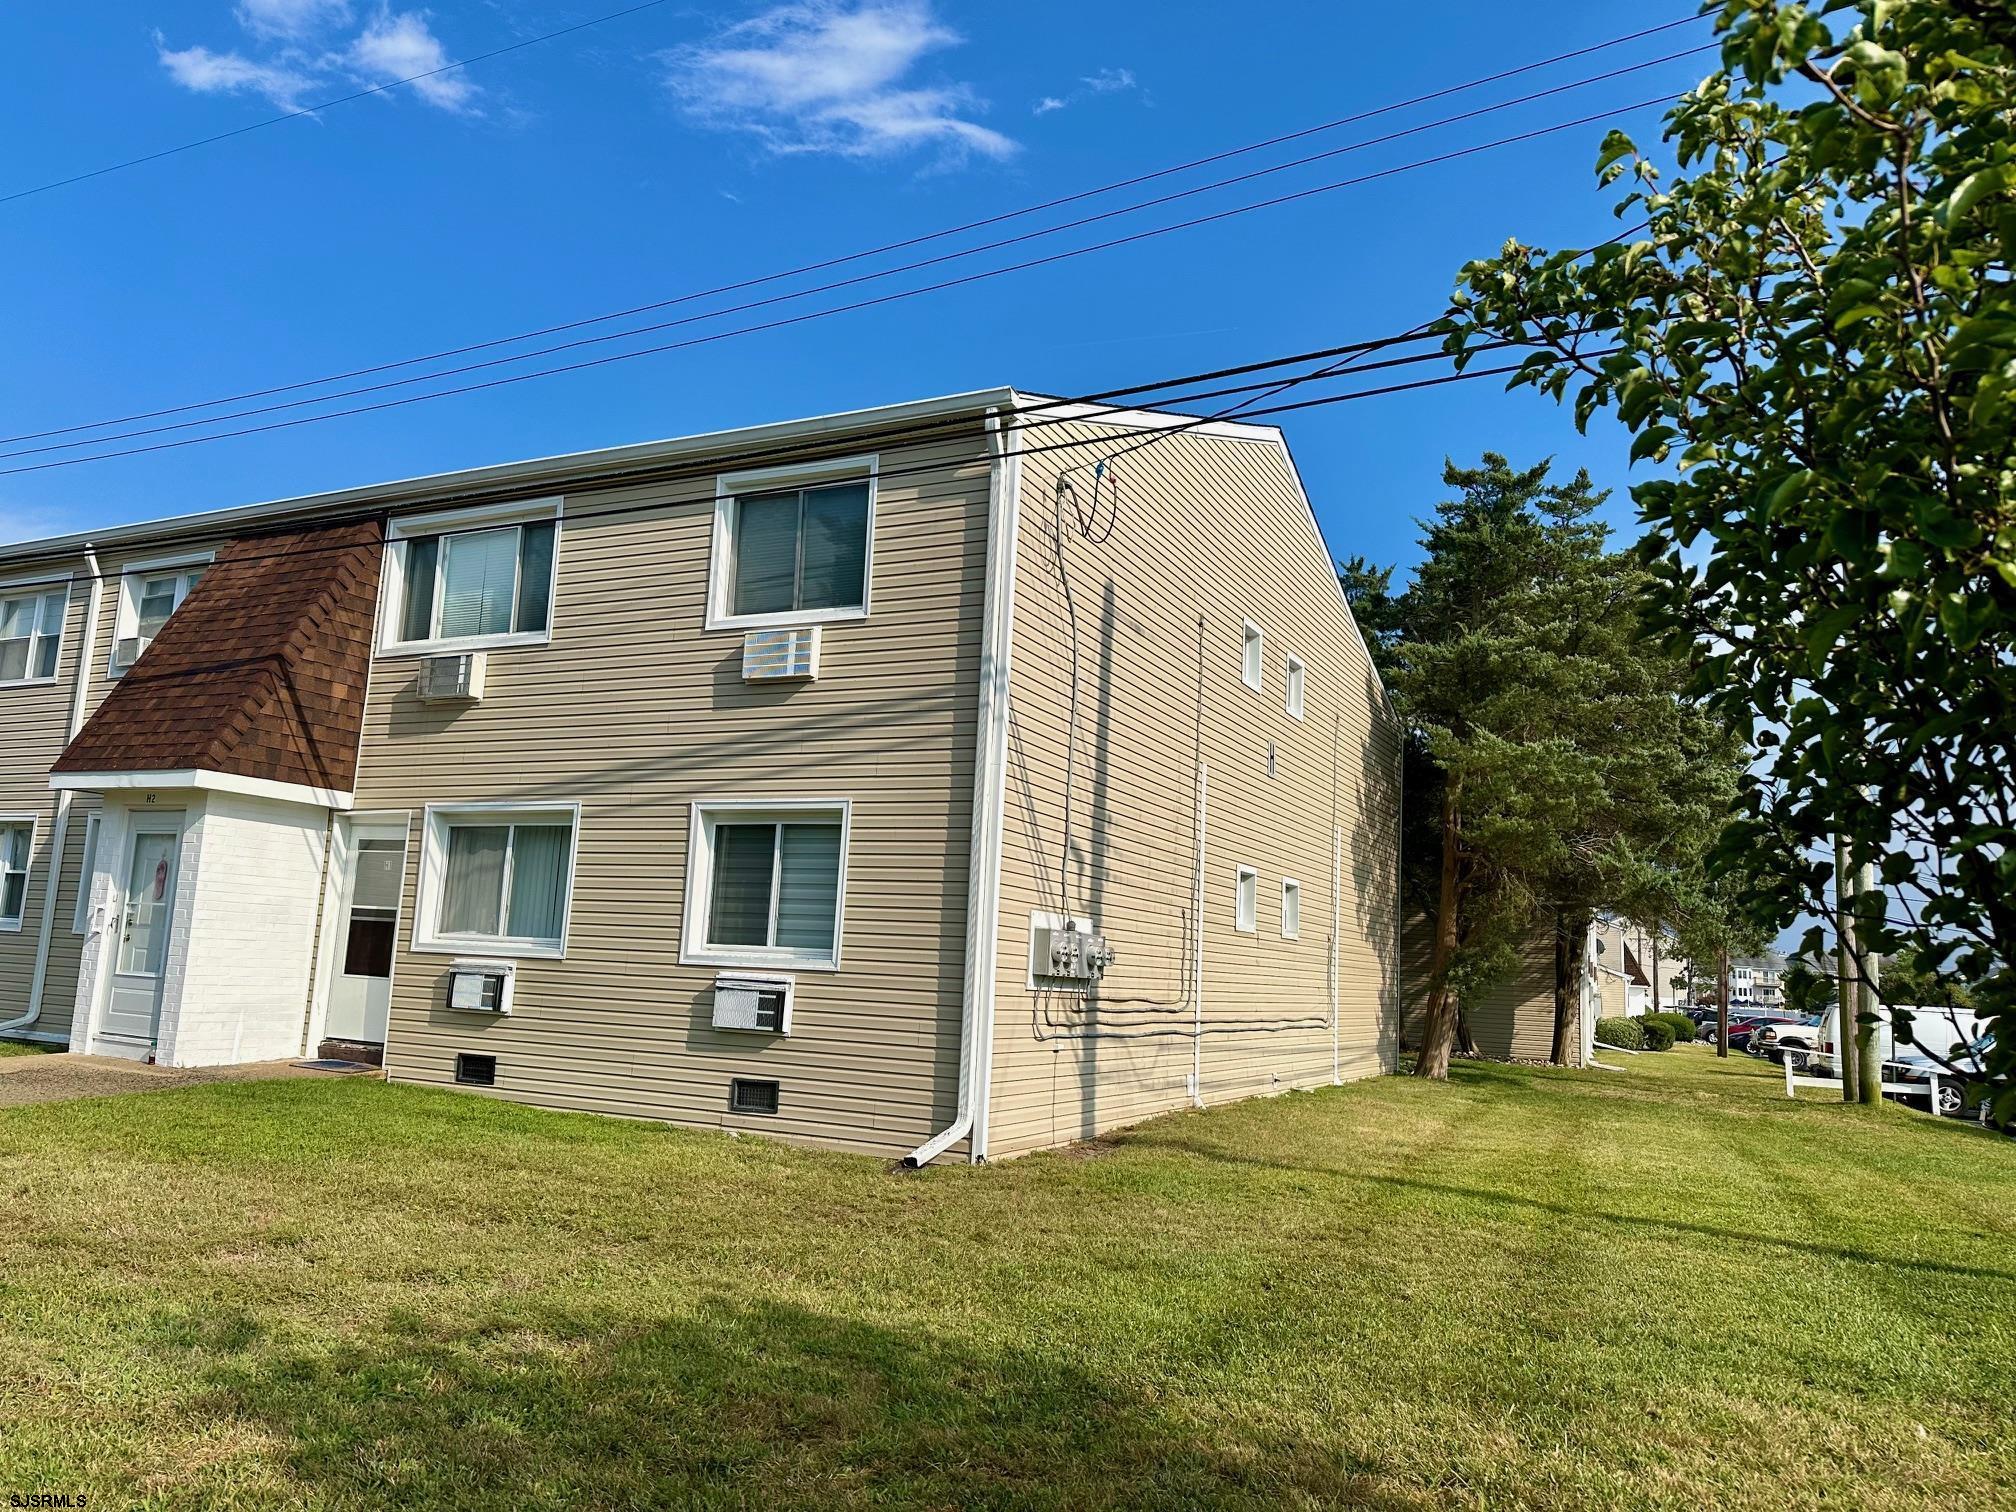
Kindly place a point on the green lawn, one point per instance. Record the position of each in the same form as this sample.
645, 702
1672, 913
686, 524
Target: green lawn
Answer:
23, 1047
1669, 1287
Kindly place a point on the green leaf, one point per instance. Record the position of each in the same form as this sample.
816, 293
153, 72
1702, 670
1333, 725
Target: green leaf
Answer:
1972, 190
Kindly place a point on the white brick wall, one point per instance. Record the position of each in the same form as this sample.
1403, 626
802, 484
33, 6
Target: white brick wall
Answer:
244, 942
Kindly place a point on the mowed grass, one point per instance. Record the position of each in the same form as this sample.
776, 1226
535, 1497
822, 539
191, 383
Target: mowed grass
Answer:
23, 1047
1669, 1287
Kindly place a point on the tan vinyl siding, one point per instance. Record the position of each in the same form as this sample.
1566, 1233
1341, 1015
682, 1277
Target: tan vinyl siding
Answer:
33, 720
1211, 531
635, 711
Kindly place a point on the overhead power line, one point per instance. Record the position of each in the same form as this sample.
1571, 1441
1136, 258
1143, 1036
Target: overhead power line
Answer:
826, 288
922, 239
860, 304
309, 110
1060, 411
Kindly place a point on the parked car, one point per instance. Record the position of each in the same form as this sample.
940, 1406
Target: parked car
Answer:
1772, 1039
1952, 1092
1741, 1030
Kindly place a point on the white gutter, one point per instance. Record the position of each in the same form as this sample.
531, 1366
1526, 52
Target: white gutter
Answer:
87, 648
990, 783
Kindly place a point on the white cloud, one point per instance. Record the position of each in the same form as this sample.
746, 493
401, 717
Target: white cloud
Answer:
1105, 82
206, 72
393, 45
828, 76
290, 18
400, 46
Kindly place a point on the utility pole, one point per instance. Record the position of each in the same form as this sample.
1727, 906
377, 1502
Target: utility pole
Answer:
1722, 1002
1868, 1039
1846, 1052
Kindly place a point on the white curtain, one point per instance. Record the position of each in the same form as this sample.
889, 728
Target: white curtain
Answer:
479, 583
475, 880
538, 881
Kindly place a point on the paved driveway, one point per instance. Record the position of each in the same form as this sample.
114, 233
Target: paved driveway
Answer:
28, 1079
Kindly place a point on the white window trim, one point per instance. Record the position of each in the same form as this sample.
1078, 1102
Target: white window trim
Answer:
80, 915
34, 823
729, 487
39, 588
1288, 885
1241, 924
126, 615
1252, 634
709, 812
1294, 692
426, 939
392, 585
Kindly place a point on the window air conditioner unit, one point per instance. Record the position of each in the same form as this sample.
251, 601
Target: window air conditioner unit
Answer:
126, 651
452, 679
481, 986
753, 1004
781, 655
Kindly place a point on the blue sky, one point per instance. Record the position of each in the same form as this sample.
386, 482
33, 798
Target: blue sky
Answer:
680, 148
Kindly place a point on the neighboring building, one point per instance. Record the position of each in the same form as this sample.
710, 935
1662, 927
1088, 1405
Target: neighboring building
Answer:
1757, 981
774, 779
1512, 1019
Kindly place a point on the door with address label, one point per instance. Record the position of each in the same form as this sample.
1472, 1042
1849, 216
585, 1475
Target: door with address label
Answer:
146, 916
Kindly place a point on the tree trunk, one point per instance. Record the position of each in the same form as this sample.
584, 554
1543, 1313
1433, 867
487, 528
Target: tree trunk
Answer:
1658, 1002
1571, 943
1844, 977
1465, 1040
1438, 1024
1722, 1003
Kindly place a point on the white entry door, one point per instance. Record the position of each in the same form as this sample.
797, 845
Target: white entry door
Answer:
140, 955
360, 989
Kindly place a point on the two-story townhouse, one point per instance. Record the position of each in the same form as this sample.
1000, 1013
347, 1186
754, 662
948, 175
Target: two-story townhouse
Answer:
962, 776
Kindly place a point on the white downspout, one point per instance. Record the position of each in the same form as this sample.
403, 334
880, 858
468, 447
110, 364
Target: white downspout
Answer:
990, 784
58, 837
1197, 950
1336, 929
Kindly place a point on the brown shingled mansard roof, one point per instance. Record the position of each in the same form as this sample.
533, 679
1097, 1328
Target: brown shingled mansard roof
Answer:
260, 673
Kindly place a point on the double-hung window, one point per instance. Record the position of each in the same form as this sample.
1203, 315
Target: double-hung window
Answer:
473, 579
31, 634
149, 593
17, 844
765, 884
496, 879
793, 545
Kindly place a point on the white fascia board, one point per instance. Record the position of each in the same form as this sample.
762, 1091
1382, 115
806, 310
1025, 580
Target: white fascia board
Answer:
566, 469
192, 780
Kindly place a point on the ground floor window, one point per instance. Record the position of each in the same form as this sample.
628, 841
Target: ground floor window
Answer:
17, 843
497, 878
765, 884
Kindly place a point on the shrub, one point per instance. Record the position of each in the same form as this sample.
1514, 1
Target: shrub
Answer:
1682, 1026
1658, 1035
1624, 1033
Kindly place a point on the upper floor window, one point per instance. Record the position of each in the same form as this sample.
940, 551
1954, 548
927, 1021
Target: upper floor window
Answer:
1291, 909
149, 593
31, 634
1251, 653
1246, 900
1292, 677
476, 578
793, 545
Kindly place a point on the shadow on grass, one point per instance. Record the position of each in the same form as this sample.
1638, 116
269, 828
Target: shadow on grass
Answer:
743, 1405
1565, 1210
